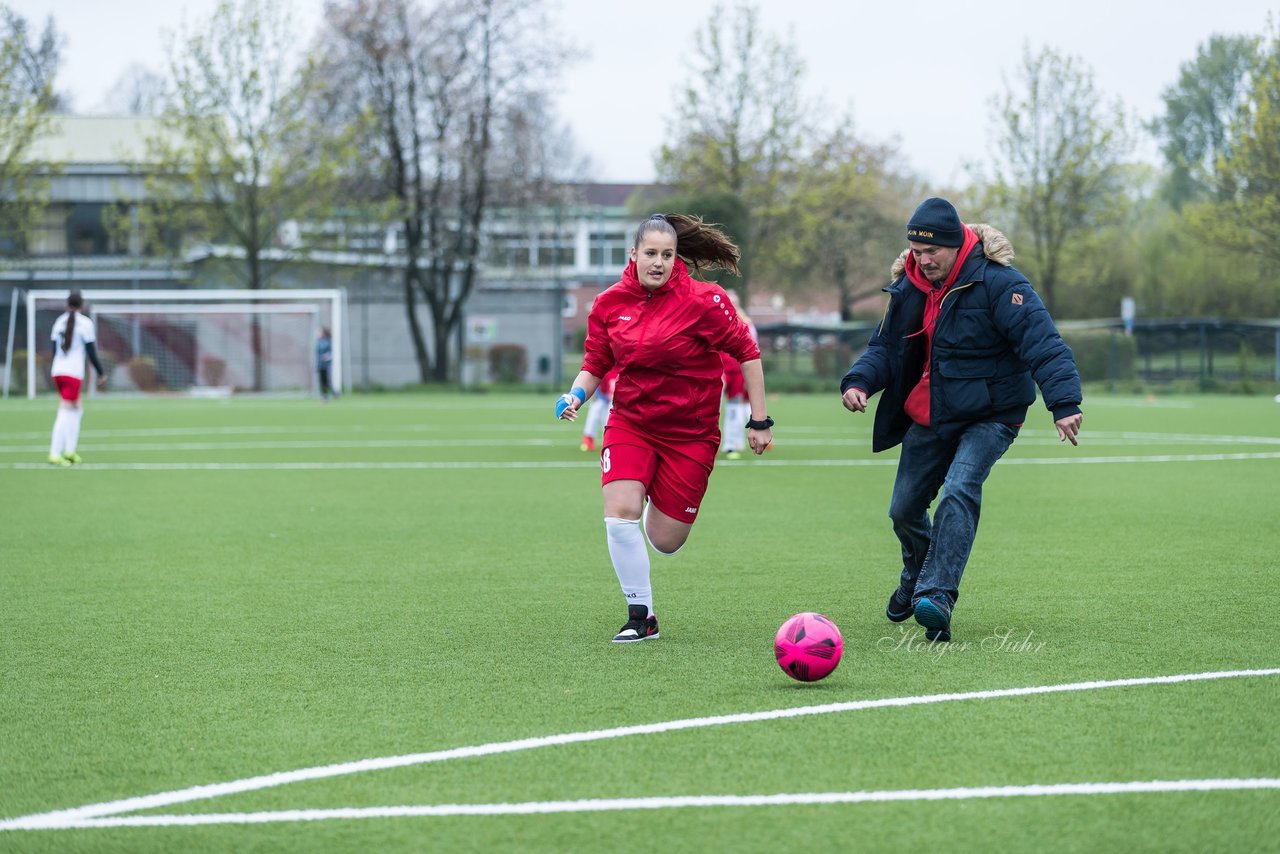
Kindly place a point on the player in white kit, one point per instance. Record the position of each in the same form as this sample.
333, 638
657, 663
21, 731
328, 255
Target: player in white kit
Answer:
74, 340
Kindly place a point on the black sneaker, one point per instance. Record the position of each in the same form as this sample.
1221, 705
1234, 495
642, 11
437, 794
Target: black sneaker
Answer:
640, 625
936, 619
900, 606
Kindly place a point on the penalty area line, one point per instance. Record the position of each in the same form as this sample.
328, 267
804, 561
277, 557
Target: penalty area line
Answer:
679, 802
66, 817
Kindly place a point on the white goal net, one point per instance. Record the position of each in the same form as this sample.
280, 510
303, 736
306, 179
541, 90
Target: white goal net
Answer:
199, 341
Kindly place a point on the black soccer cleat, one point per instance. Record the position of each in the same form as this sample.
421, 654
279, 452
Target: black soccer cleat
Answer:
640, 625
935, 616
900, 606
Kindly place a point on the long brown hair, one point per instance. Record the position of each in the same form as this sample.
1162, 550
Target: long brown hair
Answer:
74, 301
699, 244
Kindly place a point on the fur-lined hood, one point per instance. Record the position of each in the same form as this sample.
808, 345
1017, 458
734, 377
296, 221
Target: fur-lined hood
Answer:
994, 245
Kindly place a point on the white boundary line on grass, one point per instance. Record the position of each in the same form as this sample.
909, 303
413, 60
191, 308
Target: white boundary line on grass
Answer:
677, 802
83, 816
412, 465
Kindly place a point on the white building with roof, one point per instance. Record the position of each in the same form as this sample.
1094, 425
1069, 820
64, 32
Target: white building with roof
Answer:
540, 270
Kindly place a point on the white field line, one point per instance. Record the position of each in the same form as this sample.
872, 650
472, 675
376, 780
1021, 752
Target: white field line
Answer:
306, 444
499, 442
68, 817
592, 464
296, 430
676, 802
819, 436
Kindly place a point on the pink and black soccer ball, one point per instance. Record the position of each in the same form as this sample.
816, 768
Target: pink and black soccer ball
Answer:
808, 647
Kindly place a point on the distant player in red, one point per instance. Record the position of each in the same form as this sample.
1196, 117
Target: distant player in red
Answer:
665, 331
598, 411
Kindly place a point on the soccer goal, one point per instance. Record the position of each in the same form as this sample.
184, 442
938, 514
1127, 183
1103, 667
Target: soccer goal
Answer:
199, 341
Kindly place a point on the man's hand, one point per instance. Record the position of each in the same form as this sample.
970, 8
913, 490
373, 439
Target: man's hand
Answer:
1069, 428
855, 400
760, 440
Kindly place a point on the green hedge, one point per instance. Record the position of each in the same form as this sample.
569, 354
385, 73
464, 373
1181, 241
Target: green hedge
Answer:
508, 363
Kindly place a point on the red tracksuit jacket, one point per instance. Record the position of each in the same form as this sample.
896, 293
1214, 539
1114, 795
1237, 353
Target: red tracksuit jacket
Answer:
667, 344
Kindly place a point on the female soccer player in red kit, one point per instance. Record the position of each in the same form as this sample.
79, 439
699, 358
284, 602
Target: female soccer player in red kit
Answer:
664, 331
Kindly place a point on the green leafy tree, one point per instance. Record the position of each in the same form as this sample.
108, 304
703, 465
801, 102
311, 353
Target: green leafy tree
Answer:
1057, 166
848, 216
1245, 217
725, 210
1199, 110
739, 128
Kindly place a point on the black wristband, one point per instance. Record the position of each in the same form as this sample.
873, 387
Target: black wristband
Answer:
766, 424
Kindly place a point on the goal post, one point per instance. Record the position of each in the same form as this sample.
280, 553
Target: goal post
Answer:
201, 340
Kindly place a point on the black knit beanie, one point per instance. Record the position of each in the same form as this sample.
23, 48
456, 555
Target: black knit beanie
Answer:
936, 222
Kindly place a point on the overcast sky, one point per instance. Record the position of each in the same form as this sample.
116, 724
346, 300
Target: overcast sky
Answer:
921, 73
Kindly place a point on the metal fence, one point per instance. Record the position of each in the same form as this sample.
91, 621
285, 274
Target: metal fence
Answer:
1203, 350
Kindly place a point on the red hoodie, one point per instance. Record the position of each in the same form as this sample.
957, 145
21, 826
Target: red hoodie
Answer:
917, 404
666, 343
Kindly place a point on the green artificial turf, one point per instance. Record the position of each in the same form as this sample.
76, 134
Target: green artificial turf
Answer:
227, 589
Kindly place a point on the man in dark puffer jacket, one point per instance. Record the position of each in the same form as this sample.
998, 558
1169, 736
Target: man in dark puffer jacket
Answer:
963, 344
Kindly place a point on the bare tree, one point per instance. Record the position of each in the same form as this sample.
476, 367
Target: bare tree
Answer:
740, 125
38, 57
235, 160
138, 91
27, 101
447, 98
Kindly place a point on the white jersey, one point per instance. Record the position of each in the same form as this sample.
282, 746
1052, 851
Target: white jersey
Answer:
71, 362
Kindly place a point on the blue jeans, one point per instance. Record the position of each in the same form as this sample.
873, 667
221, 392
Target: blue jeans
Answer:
934, 555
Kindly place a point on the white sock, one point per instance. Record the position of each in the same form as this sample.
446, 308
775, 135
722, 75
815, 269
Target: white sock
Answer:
630, 560
741, 415
58, 441
735, 437
73, 429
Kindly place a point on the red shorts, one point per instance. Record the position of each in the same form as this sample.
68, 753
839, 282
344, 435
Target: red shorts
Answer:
68, 387
674, 474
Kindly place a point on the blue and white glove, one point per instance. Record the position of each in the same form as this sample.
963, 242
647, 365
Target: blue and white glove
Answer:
564, 401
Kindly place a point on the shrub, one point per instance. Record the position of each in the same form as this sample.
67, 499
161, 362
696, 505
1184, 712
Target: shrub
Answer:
214, 369
109, 360
143, 373
1102, 354
508, 363
831, 361
18, 369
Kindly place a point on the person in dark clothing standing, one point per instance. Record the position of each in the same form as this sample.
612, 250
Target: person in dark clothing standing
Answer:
962, 346
324, 362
